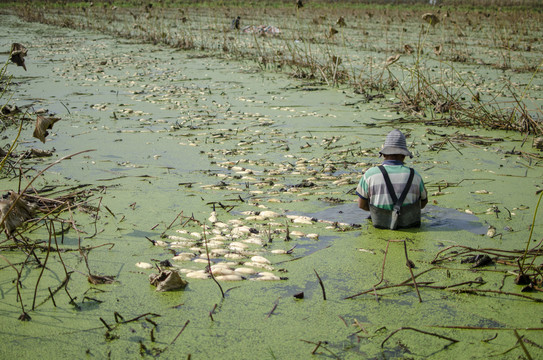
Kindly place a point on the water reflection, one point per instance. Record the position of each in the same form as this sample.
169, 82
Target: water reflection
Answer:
434, 218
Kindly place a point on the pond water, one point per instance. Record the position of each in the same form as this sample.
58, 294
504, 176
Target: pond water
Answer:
435, 218
176, 131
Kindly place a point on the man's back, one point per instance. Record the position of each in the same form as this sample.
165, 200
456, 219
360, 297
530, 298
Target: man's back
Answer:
373, 186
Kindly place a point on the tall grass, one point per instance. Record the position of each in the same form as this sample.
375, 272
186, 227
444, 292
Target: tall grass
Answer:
26, 209
354, 53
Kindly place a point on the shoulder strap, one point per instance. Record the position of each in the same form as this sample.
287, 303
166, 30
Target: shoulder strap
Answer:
407, 186
397, 202
389, 184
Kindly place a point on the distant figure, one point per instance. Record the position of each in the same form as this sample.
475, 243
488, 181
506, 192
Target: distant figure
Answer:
393, 193
235, 23
299, 4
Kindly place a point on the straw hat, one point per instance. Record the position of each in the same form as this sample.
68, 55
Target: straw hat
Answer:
395, 144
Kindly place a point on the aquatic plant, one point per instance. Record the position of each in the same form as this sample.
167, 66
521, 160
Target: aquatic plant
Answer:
308, 50
29, 209
8, 113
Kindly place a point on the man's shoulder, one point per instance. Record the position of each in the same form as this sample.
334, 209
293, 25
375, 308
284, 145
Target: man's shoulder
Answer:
372, 171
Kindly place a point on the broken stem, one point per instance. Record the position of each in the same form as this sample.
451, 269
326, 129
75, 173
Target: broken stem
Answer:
178, 334
417, 330
320, 344
408, 263
209, 264
475, 291
42, 269
465, 327
521, 342
17, 282
21, 192
531, 232
321, 284
106, 324
171, 224
52, 297
212, 312
273, 308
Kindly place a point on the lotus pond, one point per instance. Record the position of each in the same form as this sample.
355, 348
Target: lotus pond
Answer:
181, 159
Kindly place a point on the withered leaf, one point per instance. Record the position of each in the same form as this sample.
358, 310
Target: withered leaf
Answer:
392, 59
430, 19
18, 52
167, 280
20, 212
523, 279
98, 279
40, 153
42, 125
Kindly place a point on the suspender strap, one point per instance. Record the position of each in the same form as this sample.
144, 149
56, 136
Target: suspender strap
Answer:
397, 202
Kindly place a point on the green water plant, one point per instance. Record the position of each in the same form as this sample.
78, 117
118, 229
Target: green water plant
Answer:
523, 278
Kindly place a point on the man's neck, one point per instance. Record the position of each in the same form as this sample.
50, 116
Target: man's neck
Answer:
392, 162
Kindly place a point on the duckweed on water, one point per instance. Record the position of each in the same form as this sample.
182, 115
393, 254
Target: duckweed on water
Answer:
201, 160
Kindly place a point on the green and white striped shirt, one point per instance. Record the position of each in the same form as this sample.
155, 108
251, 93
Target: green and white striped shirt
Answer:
372, 186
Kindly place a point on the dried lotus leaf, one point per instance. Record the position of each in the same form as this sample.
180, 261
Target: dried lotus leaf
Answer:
40, 153
341, 21
430, 19
18, 52
392, 59
42, 125
167, 280
19, 213
98, 279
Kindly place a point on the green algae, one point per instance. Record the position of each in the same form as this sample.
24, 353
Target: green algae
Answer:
206, 121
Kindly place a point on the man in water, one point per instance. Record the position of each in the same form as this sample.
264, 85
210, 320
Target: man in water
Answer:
235, 23
393, 193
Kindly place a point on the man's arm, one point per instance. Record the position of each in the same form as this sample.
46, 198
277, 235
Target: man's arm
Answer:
364, 204
423, 203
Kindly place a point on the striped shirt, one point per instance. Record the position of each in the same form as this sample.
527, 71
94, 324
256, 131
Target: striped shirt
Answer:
372, 186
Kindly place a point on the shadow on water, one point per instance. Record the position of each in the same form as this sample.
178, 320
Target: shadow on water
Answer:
434, 218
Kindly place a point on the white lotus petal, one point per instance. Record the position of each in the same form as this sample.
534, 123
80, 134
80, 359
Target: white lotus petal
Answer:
229, 277
260, 259
259, 265
200, 274
219, 252
245, 271
183, 257
267, 278
234, 256
201, 260
144, 265
269, 214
